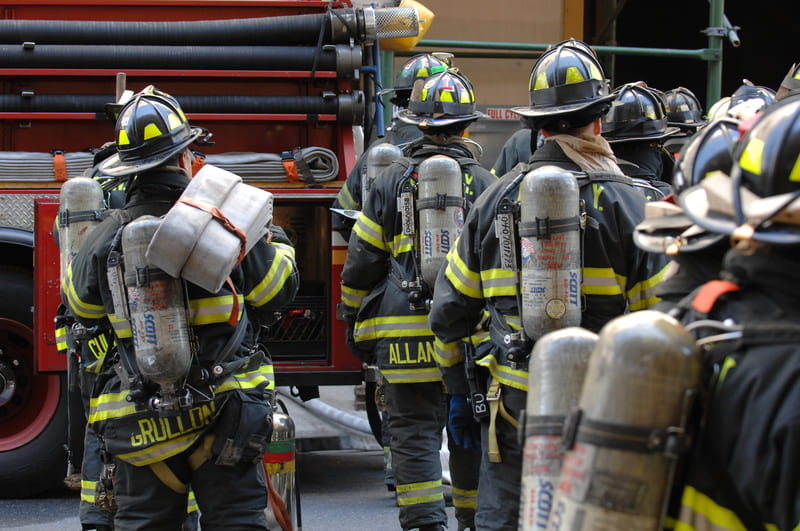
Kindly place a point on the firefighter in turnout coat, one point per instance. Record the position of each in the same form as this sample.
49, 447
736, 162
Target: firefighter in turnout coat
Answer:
616, 276
218, 438
387, 307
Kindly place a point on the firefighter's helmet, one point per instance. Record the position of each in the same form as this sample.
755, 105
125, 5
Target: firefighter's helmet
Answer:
418, 67
151, 129
566, 85
576, 44
746, 101
683, 109
762, 203
790, 84
442, 99
637, 113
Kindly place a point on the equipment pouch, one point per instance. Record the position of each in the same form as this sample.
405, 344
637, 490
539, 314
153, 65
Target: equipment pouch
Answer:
243, 430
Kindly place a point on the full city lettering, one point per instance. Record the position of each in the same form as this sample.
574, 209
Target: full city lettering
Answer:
402, 353
153, 430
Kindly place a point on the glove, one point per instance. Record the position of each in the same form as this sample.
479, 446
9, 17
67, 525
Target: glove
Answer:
461, 425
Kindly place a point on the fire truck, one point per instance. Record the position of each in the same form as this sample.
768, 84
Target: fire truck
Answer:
285, 86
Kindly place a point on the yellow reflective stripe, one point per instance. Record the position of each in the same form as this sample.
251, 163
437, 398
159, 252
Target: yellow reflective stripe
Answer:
516, 378
396, 326
462, 277
602, 281
425, 374
160, 452
285, 249
465, 498
61, 339
271, 284
416, 493
352, 297
703, 513
345, 198
447, 354
727, 365
250, 379
402, 243
499, 283
82, 309
87, 490
109, 406
370, 232
122, 327
209, 310
192, 506
641, 295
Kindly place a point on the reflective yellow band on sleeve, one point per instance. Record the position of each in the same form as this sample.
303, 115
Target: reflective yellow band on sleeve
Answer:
642, 295
211, 310
370, 232
602, 281
345, 199
272, 283
462, 277
447, 354
499, 283
402, 243
81, 308
352, 297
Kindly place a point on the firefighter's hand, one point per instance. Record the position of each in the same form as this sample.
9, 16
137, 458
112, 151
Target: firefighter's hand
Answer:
461, 425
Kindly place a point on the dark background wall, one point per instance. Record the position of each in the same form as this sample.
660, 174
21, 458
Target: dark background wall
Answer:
765, 55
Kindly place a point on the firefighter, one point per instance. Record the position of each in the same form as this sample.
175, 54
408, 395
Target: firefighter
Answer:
636, 127
410, 220
743, 469
399, 133
684, 112
220, 430
569, 97
696, 253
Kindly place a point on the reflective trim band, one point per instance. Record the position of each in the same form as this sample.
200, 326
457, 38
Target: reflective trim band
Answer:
602, 281
641, 296
370, 232
397, 326
515, 378
87, 490
698, 511
417, 493
192, 506
426, 374
345, 198
727, 365
82, 309
285, 249
122, 327
499, 283
447, 354
250, 380
465, 499
462, 277
352, 297
210, 310
402, 243
61, 339
272, 283
110, 406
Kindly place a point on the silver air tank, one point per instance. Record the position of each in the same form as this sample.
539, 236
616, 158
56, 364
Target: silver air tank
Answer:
159, 320
280, 466
550, 251
379, 157
556, 370
643, 375
441, 212
80, 199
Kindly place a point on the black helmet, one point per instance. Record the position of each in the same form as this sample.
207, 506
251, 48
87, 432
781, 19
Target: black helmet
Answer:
566, 81
417, 67
636, 114
683, 109
443, 99
760, 202
790, 83
709, 150
749, 99
151, 129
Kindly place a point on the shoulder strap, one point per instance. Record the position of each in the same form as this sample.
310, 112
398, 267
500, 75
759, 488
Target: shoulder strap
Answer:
596, 176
